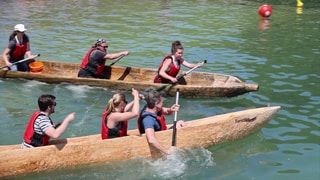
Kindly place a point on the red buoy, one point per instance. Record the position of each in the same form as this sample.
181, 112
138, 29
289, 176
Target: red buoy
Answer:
265, 10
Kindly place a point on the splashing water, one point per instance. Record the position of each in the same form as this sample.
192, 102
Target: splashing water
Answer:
181, 162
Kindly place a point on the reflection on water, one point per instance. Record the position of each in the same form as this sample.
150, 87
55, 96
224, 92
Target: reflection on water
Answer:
299, 10
264, 23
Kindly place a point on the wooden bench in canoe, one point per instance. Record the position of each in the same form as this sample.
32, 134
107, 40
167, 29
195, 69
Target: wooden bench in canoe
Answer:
91, 149
195, 84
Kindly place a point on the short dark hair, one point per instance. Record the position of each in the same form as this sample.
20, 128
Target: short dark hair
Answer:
45, 100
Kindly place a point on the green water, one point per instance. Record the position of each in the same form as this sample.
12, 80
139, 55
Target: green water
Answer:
280, 54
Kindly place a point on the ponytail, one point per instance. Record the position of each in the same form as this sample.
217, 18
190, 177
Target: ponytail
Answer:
115, 101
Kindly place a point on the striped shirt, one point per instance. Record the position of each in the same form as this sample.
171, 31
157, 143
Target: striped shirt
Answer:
41, 124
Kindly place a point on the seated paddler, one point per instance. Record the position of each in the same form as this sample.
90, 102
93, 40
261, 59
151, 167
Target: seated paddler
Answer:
117, 113
41, 127
93, 63
171, 64
152, 119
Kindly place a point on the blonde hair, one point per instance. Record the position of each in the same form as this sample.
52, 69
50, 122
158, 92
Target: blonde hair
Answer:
115, 101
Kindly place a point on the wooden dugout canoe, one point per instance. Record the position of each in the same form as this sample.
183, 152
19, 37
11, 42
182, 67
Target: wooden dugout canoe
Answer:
203, 132
195, 84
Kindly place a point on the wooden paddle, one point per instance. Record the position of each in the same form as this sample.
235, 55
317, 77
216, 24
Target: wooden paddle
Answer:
117, 60
23, 60
179, 77
174, 133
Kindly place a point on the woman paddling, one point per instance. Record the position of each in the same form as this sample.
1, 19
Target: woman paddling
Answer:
18, 46
170, 65
115, 117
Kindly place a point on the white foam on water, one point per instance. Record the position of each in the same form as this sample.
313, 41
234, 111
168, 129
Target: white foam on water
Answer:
79, 91
178, 163
30, 85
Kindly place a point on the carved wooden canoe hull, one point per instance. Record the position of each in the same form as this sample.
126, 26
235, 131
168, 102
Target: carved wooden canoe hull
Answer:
203, 132
195, 84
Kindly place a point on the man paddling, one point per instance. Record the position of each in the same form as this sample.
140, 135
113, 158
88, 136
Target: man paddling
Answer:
40, 127
152, 119
93, 63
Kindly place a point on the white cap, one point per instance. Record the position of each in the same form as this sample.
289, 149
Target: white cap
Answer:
19, 27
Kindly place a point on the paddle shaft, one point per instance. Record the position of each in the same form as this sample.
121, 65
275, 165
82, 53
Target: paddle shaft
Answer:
117, 60
23, 60
174, 133
189, 71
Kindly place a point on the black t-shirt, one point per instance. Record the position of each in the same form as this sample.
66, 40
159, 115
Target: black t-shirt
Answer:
12, 42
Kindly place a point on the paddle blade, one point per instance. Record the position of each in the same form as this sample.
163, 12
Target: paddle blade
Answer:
162, 88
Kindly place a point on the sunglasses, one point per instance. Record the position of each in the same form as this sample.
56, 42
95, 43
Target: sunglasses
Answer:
105, 47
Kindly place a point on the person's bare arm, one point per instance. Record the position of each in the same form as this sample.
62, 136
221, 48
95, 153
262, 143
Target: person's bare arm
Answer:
171, 110
135, 103
116, 55
163, 69
191, 65
28, 52
56, 133
116, 117
5, 57
152, 140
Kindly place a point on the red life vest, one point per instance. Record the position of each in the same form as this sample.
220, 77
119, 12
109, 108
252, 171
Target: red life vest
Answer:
171, 71
19, 51
104, 128
90, 66
160, 119
32, 137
